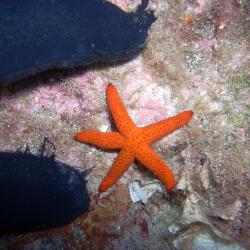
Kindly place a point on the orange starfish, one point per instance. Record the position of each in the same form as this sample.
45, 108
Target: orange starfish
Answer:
134, 142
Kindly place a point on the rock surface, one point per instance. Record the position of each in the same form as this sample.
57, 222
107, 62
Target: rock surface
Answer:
197, 58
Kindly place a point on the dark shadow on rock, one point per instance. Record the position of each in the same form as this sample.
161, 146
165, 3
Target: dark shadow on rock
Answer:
39, 192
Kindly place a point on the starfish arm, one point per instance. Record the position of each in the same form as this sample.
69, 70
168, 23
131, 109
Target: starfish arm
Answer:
121, 117
157, 130
152, 161
105, 140
120, 165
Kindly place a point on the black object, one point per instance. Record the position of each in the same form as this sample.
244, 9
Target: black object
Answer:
36, 35
38, 192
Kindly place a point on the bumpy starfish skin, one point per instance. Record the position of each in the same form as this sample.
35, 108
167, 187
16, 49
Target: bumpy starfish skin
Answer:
134, 142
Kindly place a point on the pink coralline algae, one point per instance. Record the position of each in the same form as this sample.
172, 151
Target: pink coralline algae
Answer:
62, 101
